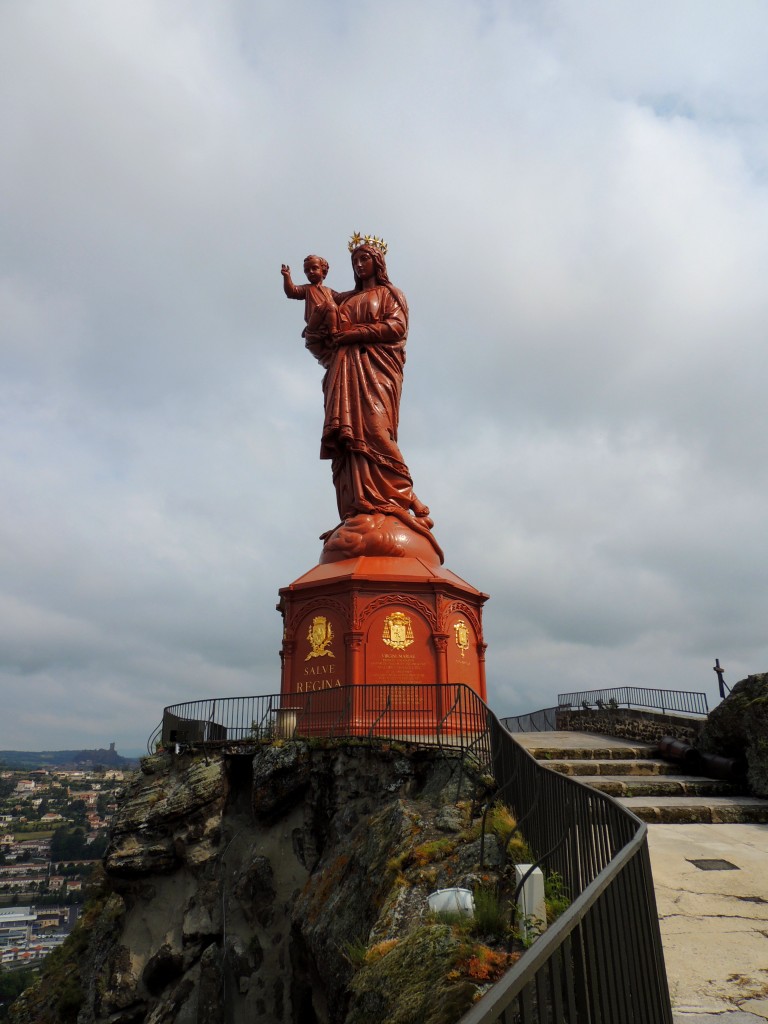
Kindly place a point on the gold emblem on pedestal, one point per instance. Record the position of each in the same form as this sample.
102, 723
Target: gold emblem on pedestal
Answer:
462, 636
398, 632
320, 635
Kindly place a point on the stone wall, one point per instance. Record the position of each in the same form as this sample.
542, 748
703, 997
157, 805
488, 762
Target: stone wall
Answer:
631, 724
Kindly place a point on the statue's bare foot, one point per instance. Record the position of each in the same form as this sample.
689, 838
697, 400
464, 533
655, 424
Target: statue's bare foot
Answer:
421, 511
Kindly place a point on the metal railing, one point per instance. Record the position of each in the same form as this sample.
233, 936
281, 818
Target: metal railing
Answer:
601, 962
545, 720
680, 701
154, 738
450, 716
535, 721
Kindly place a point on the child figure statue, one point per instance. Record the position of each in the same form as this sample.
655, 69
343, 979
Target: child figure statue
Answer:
321, 313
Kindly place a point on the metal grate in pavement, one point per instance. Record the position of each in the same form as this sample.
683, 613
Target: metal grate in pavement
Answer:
714, 865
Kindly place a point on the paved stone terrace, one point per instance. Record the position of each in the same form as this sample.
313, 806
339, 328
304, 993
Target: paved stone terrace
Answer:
714, 923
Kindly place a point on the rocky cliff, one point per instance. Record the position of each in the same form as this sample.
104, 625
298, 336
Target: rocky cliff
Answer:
738, 728
288, 886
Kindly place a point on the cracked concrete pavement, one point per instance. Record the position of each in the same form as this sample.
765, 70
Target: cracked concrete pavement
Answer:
714, 924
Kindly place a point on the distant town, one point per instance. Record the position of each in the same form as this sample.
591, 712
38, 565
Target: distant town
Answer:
54, 818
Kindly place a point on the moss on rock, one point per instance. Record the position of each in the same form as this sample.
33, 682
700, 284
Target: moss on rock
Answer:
411, 981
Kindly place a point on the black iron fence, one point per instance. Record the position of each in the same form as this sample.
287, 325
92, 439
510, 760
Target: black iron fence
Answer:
535, 721
545, 720
451, 716
601, 962
680, 701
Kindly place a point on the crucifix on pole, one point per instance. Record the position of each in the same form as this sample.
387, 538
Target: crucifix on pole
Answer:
720, 672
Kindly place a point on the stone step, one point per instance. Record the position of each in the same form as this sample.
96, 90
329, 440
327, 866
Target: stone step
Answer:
626, 752
659, 786
652, 766
670, 810
638, 779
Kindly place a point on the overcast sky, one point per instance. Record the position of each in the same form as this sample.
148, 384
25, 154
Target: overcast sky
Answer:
575, 199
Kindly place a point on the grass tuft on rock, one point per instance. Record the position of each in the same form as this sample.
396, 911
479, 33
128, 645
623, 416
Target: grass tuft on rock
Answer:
411, 983
491, 916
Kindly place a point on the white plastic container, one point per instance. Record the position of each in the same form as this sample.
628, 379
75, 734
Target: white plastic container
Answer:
452, 901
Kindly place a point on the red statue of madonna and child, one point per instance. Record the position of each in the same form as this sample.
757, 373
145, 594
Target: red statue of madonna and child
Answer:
359, 337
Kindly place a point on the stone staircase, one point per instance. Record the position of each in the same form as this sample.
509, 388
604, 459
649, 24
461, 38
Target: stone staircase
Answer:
655, 790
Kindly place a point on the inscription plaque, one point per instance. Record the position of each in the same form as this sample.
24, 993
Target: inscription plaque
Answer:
320, 663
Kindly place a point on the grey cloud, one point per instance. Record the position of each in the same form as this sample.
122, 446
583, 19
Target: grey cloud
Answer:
576, 208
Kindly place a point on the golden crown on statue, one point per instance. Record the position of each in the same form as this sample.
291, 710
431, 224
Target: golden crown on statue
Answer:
357, 240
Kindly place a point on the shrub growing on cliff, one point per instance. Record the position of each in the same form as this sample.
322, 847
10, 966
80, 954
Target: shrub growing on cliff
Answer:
556, 898
500, 821
420, 979
355, 952
518, 851
491, 917
380, 949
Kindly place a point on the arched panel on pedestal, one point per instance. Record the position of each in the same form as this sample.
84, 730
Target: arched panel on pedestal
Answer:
396, 600
319, 662
297, 610
401, 667
448, 611
463, 662
398, 646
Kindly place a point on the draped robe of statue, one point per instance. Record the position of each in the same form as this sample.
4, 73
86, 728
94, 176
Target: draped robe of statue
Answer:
362, 389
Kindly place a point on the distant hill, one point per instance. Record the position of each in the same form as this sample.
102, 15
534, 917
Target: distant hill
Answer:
28, 760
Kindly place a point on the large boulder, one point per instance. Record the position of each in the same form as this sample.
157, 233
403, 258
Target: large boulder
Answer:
738, 727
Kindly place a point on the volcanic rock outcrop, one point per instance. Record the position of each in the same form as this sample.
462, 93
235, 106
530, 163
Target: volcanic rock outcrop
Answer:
288, 886
738, 728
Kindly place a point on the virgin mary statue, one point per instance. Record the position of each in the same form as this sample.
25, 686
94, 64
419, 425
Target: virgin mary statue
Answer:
364, 359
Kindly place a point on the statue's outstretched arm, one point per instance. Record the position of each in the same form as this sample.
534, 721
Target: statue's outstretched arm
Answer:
292, 291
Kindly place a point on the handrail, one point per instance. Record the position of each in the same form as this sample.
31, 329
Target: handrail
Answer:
602, 960
544, 720
406, 712
681, 701
387, 707
153, 738
502, 994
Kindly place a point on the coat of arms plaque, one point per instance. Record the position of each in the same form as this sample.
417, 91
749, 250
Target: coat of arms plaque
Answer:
320, 635
462, 636
398, 632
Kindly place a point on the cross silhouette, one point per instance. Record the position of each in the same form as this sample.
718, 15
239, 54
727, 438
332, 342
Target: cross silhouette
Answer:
720, 681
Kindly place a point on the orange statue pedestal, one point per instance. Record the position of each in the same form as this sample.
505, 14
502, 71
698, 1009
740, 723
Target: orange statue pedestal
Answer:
377, 636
